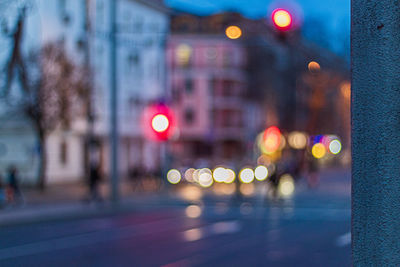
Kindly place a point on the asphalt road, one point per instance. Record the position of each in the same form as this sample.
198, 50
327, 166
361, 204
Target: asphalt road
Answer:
311, 229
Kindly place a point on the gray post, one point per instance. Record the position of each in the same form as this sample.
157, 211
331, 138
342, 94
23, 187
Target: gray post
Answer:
375, 37
113, 103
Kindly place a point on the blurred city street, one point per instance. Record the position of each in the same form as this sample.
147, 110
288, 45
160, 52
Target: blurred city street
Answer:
310, 229
174, 133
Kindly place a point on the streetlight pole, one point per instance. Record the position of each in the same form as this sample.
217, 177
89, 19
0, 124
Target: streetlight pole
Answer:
375, 39
113, 103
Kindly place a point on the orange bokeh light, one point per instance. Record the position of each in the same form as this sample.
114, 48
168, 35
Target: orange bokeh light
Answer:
233, 32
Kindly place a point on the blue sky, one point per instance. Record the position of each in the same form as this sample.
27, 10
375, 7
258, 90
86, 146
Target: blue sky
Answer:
333, 15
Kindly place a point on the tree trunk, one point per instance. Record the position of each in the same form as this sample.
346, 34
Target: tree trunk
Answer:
42, 163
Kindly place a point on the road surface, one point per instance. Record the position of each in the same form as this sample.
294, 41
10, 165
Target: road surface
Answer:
310, 229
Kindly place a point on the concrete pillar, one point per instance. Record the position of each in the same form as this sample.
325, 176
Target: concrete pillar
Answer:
376, 132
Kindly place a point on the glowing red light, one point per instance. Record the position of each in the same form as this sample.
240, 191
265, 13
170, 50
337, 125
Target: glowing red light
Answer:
272, 139
282, 19
158, 122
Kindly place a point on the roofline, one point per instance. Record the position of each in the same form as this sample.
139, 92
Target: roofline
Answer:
162, 8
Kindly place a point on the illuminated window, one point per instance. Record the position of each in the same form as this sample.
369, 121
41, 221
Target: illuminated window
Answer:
183, 55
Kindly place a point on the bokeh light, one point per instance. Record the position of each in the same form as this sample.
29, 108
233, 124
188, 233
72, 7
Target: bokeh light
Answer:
173, 176
224, 189
193, 211
193, 234
247, 189
160, 123
297, 140
271, 140
246, 175
233, 32
314, 67
318, 151
335, 146
231, 176
345, 89
196, 175
220, 174
157, 122
286, 185
261, 173
189, 175
190, 193
263, 160
282, 19
205, 179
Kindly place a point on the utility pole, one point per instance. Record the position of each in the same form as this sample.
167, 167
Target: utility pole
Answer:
375, 44
113, 103
89, 142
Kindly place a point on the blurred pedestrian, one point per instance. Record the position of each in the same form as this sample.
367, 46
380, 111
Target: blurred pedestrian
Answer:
2, 193
274, 184
313, 169
136, 178
94, 181
14, 192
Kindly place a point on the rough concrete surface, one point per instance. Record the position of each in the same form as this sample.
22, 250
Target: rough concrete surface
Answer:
376, 132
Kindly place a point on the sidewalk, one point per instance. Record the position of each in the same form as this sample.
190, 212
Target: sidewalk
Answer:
67, 201
61, 202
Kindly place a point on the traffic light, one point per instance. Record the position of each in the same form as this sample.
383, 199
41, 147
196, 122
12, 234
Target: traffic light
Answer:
282, 19
158, 122
272, 139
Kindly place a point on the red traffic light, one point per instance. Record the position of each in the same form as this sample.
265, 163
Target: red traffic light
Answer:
158, 122
282, 19
272, 139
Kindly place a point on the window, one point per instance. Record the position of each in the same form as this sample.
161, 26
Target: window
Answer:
189, 86
183, 55
227, 58
211, 56
99, 12
176, 96
132, 61
189, 116
65, 18
138, 25
63, 152
3, 149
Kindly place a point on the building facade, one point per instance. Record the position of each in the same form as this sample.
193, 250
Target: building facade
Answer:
207, 86
83, 28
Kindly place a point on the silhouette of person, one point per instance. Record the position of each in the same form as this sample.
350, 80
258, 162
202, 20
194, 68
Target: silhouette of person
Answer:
13, 185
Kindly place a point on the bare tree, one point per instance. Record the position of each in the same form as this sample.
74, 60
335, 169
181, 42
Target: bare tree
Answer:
52, 89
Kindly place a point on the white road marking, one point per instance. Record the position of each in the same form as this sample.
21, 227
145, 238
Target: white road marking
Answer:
219, 228
344, 240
